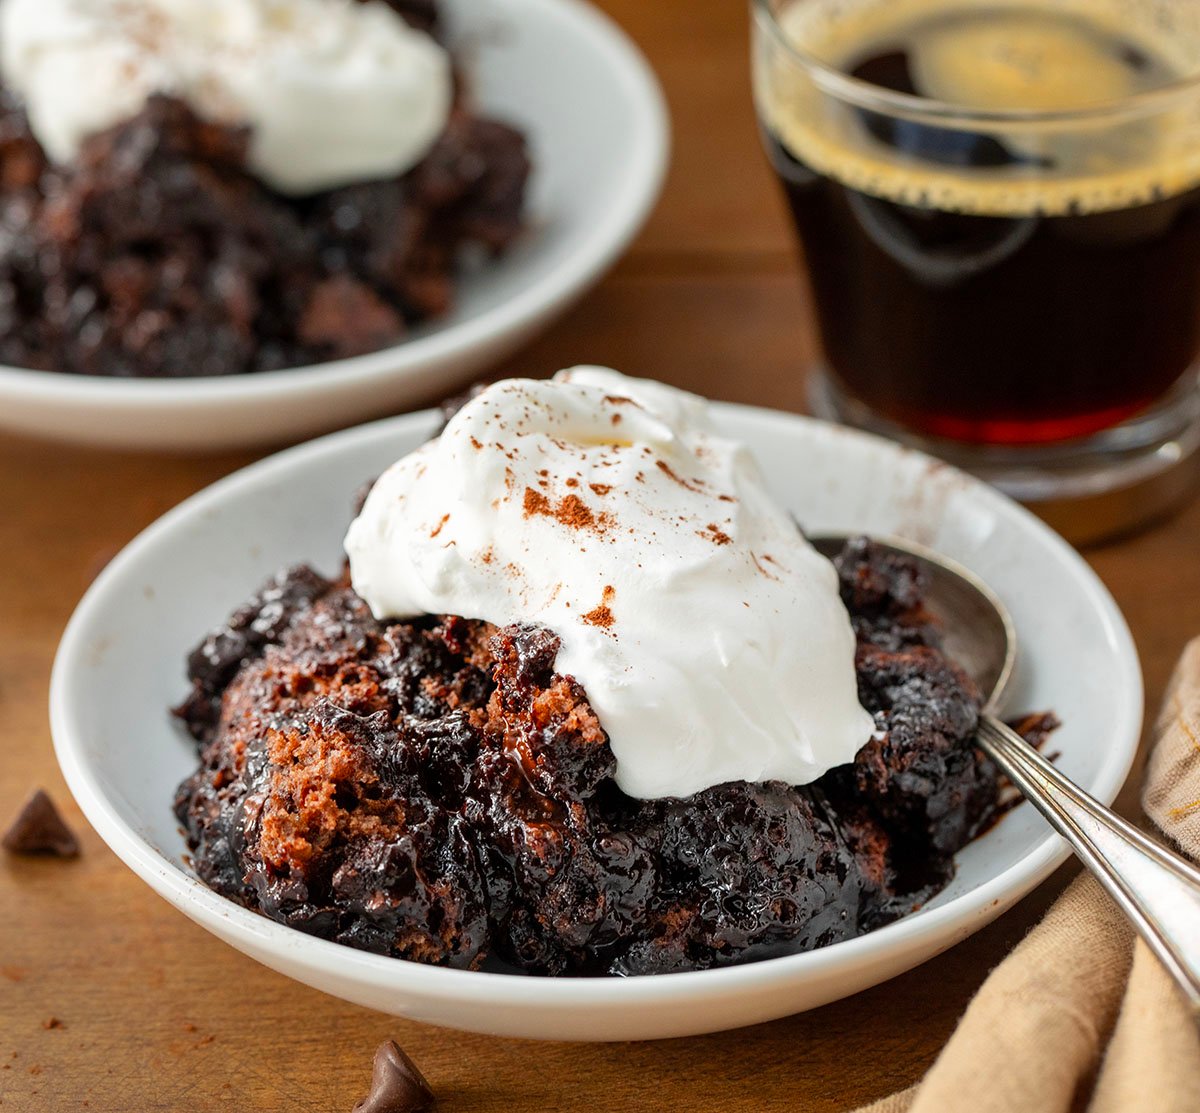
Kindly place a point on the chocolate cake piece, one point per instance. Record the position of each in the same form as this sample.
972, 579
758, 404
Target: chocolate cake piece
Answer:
571, 881
435, 790
749, 871
318, 799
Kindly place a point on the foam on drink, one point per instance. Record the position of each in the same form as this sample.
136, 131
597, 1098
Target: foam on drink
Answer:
996, 58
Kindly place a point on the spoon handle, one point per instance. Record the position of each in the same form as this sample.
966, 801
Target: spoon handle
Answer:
1158, 890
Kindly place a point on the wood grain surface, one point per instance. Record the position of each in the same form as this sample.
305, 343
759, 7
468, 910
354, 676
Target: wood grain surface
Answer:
155, 1014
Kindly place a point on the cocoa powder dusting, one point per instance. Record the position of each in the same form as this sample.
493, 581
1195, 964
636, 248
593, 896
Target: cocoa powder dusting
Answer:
574, 512
602, 615
762, 568
570, 511
694, 485
712, 532
537, 503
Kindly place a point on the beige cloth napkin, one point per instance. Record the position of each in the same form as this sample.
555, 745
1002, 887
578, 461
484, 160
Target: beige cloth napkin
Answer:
1081, 1016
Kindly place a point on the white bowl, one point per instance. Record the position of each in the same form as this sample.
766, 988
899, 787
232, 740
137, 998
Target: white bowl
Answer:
597, 125
120, 666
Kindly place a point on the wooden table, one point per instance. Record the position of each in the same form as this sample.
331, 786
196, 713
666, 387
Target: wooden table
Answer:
157, 1015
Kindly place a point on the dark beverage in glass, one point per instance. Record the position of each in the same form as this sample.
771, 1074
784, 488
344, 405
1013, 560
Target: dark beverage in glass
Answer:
999, 208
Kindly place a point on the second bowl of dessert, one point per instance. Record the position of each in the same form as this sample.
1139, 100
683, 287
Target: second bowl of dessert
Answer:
394, 194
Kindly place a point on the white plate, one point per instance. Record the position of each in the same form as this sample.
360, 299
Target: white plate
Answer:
596, 121
120, 666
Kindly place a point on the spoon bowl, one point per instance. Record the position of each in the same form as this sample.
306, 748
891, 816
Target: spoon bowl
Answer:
978, 632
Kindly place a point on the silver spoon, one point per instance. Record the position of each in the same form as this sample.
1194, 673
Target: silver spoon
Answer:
1158, 890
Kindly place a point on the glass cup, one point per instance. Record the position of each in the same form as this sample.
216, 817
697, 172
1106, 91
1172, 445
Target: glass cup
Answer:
1016, 289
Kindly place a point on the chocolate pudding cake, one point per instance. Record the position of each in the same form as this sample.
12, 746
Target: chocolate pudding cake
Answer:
441, 789
198, 233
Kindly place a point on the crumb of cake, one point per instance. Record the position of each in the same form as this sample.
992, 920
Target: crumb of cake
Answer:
345, 317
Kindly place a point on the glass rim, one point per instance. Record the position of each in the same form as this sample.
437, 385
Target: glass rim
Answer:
877, 98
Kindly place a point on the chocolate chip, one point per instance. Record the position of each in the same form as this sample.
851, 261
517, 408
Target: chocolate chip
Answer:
39, 829
396, 1085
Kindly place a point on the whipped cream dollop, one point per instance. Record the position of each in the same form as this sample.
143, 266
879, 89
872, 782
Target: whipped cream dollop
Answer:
334, 91
708, 635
